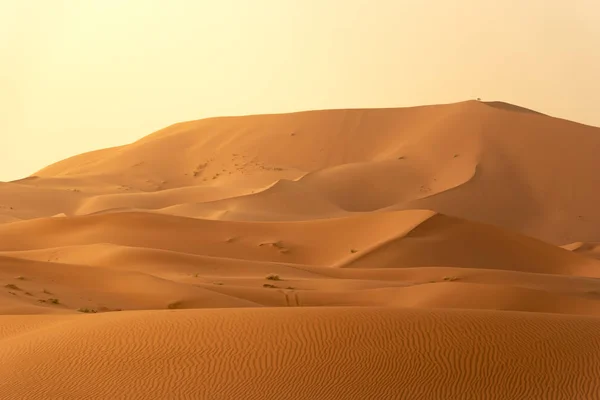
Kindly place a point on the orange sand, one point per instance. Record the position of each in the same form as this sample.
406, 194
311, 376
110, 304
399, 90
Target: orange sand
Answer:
414, 254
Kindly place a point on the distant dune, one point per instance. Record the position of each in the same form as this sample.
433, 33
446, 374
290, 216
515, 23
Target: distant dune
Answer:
435, 252
487, 162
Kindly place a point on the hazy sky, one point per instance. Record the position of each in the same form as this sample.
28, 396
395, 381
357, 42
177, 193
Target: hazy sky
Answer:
78, 75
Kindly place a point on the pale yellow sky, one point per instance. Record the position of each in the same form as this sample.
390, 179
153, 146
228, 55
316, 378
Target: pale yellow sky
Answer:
78, 75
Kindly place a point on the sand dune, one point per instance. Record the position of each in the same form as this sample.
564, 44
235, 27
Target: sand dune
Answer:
319, 242
19, 201
276, 203
400, 259
440, 241
333, 353
487, 162
370, 253
399, 239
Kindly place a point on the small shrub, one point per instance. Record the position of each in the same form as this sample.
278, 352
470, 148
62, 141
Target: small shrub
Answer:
87, 310
290, 288
353, 251
174, 305
21, 278
54, 301
268, 285
278, 245
273, 277
450, 278
11, 286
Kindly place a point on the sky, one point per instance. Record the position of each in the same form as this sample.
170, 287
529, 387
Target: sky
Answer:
79, 75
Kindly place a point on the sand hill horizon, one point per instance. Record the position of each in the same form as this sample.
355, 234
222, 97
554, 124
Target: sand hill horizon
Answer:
440, 251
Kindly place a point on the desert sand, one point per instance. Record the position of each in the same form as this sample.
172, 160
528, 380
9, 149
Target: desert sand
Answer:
435, 252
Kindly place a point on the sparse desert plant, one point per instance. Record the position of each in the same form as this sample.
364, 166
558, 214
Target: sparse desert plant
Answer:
278, 245
268, 285
87, 310
217, 283
54, 301
46, 291
27, 294
450, 278
273, 277
290, 288
174, 305
21, 278
401, 158
12, 286
353, 251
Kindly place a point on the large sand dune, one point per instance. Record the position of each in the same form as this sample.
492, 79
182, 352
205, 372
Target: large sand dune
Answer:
339, 254
487, 162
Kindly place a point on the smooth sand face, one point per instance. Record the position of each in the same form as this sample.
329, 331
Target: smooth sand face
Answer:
398, 253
